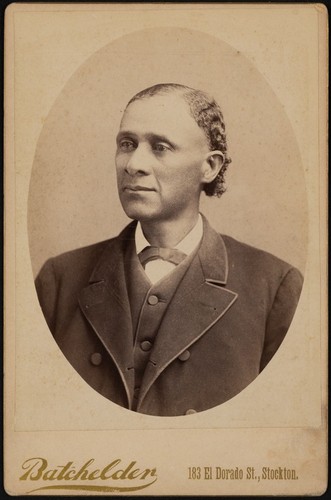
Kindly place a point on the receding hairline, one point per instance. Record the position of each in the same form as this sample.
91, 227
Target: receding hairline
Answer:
171, 100
176, 90
169, 89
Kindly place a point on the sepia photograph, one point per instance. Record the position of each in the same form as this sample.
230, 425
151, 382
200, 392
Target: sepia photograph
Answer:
168, 217
169, 317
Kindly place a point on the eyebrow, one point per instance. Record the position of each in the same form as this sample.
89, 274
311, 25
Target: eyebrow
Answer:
124, 133
150, 136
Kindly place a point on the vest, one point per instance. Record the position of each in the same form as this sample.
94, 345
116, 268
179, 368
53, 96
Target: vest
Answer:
148, 305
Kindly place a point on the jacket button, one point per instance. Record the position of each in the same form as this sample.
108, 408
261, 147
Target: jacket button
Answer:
190, 412
136, 392
96, 359
152, 300
146, 345
184, 356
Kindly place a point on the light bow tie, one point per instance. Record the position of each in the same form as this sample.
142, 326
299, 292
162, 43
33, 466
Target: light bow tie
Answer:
153, 253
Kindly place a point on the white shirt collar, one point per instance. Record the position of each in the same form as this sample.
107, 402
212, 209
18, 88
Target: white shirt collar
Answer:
186, 245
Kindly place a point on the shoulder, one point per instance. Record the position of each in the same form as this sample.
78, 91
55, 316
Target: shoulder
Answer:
253, 257
81, 259
71, 270
61, 278
76, 266
259, 266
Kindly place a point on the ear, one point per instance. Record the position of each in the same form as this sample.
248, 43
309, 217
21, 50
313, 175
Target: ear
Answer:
211, 166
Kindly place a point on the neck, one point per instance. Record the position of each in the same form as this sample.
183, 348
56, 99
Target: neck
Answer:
168, 233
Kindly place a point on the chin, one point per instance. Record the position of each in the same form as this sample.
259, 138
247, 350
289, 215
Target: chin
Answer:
140, 213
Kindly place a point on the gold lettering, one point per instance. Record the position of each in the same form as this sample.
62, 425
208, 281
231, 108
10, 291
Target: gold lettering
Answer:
36, 468
134, 474
42, 462
68, 476
108, 467
62, 474
121, 474
94, 475
83, 472
148, 472
50, 474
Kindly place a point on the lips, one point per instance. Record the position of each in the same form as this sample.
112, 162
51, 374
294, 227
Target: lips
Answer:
137, 187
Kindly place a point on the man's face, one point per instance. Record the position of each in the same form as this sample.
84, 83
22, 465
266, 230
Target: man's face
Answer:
159, 159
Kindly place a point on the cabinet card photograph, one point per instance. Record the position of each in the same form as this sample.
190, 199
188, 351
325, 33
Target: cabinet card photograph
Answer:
165, 249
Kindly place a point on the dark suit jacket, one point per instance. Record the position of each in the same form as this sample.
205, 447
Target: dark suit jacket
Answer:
229, 315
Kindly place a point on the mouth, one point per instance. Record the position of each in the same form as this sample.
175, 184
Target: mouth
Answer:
136, 188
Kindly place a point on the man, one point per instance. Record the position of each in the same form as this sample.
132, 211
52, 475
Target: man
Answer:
169, 318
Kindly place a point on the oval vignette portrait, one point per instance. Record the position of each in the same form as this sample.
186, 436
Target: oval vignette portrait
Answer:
167, 222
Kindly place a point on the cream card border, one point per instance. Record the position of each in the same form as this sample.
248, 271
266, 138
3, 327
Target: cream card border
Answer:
258, 428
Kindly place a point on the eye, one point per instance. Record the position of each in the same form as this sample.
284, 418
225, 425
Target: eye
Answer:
126, 145
160, 147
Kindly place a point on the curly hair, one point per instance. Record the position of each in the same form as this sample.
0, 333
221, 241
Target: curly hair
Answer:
208, 116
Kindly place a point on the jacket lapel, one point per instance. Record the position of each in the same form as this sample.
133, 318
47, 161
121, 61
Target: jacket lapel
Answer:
200, 301
105, 304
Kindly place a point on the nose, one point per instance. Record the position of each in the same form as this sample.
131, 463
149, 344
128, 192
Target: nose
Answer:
139, 162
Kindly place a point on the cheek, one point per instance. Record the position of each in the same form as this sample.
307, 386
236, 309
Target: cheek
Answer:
190, 173
120, 165
181, 184
118, 176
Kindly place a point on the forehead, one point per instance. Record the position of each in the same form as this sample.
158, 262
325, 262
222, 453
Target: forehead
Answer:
166, 115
